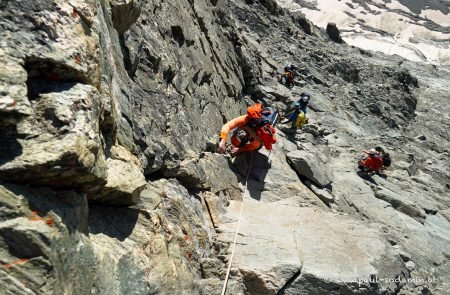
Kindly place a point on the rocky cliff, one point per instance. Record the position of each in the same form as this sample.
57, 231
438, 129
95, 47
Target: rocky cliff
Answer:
109, 180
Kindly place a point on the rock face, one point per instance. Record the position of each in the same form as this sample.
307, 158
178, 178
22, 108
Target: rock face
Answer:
297, 257
62, 238
310, 166
60, 145
109, 180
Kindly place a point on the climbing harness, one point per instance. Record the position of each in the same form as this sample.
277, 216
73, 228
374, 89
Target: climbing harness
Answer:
224, 288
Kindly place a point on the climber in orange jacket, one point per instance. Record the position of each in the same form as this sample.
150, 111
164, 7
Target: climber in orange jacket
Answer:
250, 132
373, 163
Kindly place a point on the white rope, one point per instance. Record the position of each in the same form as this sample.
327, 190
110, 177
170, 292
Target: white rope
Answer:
224, 288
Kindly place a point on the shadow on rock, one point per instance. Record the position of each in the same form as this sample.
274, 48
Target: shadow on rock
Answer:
10, 147
290, 133
114, 222
256, 166
367, 176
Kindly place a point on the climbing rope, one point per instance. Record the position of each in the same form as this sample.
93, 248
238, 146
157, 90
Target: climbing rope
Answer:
224, 288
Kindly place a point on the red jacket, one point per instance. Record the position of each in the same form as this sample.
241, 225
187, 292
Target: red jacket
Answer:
373, 163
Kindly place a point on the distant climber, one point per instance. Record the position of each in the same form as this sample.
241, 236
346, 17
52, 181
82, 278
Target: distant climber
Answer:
297, 115
287, 78
250, 131
372, 163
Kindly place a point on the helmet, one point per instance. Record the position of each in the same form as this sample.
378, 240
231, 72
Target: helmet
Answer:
305, 95
372, 152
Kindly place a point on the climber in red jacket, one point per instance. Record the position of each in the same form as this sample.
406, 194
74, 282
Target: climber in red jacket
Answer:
373, 163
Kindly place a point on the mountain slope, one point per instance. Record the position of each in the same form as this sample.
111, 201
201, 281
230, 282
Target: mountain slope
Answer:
110, 183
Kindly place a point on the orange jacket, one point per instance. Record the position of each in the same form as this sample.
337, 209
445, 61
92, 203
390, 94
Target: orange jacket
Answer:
238, 122
260, 136
374, 163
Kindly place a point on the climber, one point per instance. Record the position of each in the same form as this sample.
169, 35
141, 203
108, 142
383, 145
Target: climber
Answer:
287, 78
251, 131
373, 163
297, 115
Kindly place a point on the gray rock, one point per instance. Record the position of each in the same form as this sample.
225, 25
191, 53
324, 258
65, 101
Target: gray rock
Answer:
124, 14
14, 104
405, 256
271, 179
212, 268
175, 226
105, 102
310, 166
410, 265
214, 286
7, 104
401, 203
348, 72
305, 249
421, 137
317, 76
323, 194
124, 184
61, 143
208, 172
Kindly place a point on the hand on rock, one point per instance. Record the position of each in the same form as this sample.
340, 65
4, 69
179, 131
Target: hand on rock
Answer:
222, 146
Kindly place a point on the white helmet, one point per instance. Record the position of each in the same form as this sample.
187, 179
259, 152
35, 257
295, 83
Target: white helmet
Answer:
372, 152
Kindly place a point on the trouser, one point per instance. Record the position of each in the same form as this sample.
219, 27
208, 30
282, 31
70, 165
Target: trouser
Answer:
298, 119
367, 170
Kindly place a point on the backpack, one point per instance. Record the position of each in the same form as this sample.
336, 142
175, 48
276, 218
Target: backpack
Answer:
386, 159
262, 121
270, 115
258, 116
267, 135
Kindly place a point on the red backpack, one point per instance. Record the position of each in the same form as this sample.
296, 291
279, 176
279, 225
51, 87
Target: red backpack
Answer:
258, 120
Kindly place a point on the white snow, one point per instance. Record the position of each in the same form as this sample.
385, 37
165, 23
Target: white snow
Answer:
401, 30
